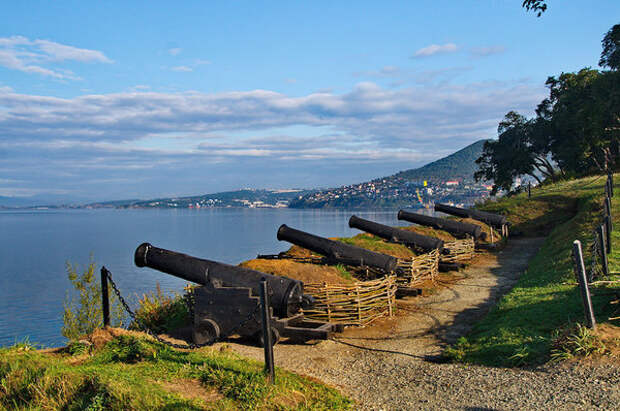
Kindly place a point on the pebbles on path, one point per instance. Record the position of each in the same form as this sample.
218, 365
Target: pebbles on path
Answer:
404, 378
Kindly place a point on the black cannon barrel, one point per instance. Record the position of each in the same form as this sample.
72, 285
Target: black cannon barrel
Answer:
286, 294
396, 235
491, 219
456, 228
336, 250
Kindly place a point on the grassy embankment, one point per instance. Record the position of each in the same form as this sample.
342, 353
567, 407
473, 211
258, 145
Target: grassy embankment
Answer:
521, 328
134, 372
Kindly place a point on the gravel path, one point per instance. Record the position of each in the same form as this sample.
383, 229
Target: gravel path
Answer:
403, 376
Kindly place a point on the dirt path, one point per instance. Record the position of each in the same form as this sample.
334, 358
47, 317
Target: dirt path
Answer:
398, 373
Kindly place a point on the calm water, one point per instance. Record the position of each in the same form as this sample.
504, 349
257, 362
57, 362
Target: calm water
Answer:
35, 246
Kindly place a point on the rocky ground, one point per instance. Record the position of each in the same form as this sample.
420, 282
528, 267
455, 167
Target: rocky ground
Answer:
392, 364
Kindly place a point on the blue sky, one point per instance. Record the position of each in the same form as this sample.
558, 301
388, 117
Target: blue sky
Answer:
110, 100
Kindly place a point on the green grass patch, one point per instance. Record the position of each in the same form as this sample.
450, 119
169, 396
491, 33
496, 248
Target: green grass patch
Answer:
132, 372
520, 329
374, 243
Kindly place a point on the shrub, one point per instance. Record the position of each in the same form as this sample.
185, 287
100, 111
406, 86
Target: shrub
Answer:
163, 313
83, 312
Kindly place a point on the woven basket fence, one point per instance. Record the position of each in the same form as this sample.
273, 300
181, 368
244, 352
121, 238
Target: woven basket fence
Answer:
459, 251
356, 304
418, 269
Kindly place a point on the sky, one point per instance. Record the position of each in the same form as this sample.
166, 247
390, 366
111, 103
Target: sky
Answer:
116, 100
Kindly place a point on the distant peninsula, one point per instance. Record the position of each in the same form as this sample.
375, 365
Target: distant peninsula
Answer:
449, 179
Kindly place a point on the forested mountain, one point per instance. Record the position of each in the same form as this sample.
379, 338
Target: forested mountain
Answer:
406, 188
457, 166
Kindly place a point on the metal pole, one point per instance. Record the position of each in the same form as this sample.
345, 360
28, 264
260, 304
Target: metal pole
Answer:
607, 221
610, 180
603, 249
105, 300
580, 271
608, 210
264, 301
529, 189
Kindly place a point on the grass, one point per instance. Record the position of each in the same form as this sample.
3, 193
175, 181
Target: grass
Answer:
374, 243
520, 329
132, 372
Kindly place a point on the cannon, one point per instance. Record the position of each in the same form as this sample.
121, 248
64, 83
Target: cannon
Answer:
495, 220
408, 238
456, 228
337, 252
229, 299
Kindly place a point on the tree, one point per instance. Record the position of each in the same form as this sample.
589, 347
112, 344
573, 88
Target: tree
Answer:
582, 111
517, 152
610, 56
537, 6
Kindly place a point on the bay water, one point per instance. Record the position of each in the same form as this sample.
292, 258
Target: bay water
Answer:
36, 245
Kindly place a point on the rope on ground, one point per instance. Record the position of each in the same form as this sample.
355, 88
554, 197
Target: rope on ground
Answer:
361, 347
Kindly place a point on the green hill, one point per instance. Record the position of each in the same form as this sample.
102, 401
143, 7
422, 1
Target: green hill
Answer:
460, 165
405, 189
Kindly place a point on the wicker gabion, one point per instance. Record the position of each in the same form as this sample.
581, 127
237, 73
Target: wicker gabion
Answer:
459, 251
357, 304
418, 269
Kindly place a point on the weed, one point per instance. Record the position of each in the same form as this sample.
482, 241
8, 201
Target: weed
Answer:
577, 341
83, 313
342, 271
163, 313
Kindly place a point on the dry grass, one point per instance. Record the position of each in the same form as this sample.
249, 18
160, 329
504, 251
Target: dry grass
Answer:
307, 273
431, 232
378, 245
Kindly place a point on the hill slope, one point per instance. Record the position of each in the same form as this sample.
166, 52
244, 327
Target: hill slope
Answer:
405, 189
457, 166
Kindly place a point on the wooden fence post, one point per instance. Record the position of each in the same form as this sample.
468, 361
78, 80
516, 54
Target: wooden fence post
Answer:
580, 271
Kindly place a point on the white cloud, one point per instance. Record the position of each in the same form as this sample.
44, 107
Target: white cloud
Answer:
174, 51
31, 56
394, 119
487, 51
435, 49
182, 68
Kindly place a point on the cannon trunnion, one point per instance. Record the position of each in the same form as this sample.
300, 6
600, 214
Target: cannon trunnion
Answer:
228, 301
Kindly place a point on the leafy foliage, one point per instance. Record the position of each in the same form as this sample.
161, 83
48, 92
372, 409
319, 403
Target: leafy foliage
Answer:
578, 341
537, 6
163, 313
83, 312
610, 57
574, 133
